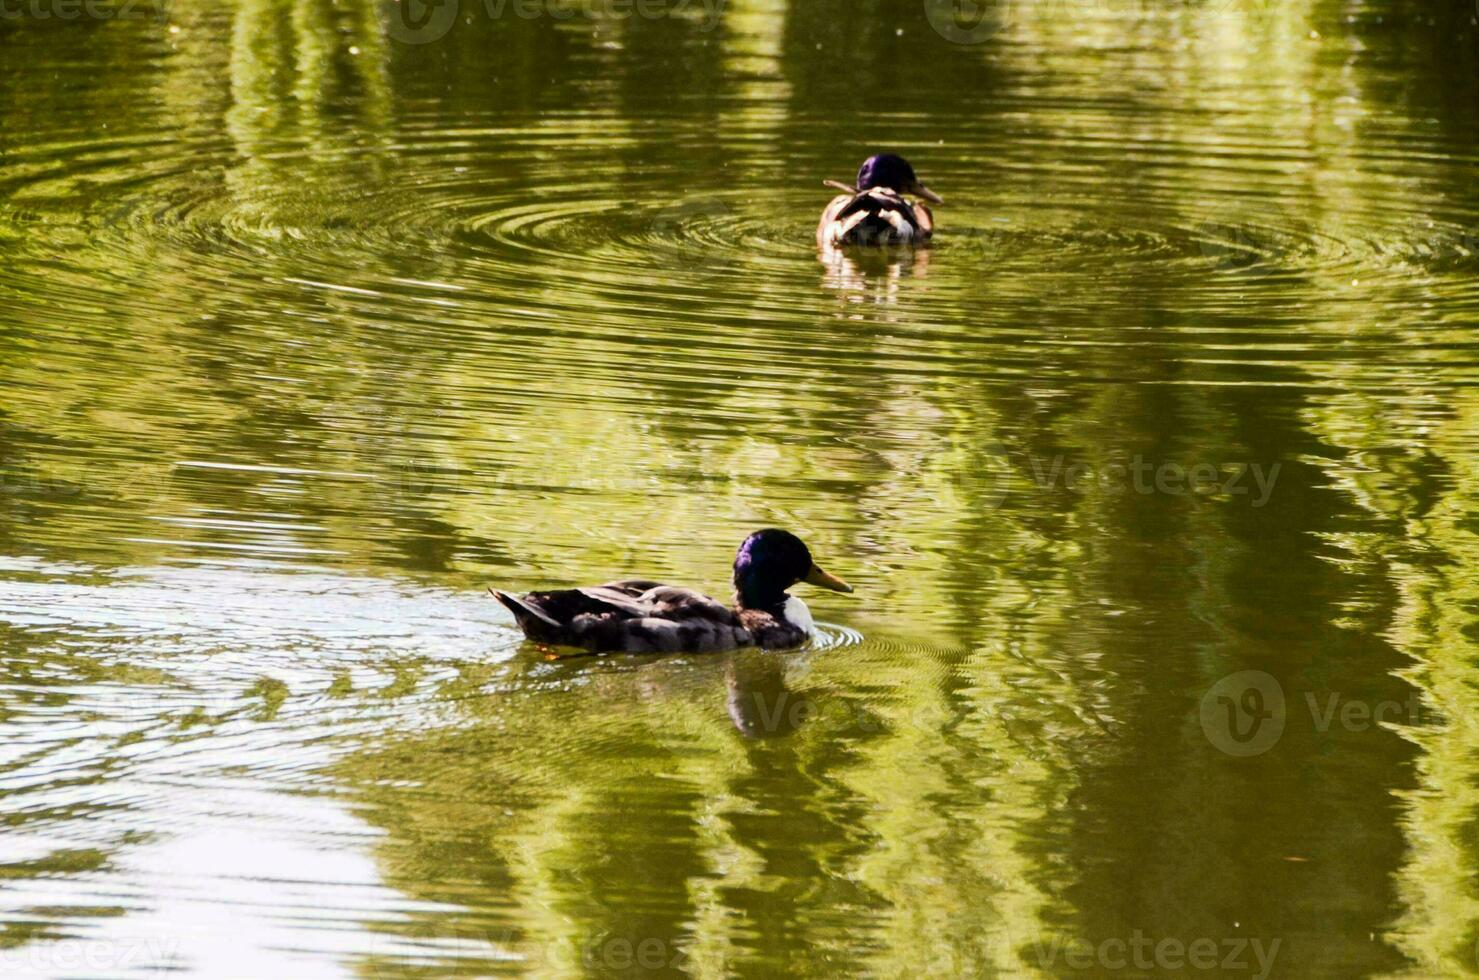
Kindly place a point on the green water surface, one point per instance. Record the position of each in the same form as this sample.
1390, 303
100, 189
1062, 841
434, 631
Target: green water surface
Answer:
1157, 477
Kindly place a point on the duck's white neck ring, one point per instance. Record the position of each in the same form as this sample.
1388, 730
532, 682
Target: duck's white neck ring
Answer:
794, 611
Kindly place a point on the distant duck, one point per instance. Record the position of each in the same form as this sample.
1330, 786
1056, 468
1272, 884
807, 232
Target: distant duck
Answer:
640, 616
875, 212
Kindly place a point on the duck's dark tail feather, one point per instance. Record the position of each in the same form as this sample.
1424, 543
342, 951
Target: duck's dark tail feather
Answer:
523, 611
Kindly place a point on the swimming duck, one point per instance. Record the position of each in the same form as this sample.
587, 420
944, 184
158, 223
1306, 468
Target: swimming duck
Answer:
875, 212
638, 616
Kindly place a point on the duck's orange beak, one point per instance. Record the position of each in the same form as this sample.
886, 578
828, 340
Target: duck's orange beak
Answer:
919, 190
820, 578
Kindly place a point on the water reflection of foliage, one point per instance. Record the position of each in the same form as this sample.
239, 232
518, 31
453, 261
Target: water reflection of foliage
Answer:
826, 809
935, 834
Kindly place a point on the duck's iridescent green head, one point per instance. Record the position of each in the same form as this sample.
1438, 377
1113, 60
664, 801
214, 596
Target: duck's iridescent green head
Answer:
893, 172
770, 562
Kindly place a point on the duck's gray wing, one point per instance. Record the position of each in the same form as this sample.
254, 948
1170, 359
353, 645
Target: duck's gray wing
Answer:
626, 596
679, 603
635, 615
659, 619
638, 597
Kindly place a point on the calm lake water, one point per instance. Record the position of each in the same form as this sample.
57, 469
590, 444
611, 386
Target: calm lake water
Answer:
1158, 479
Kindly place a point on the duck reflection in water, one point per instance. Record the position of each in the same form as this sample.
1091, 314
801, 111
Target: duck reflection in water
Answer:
757, 698
759, 703
871, 275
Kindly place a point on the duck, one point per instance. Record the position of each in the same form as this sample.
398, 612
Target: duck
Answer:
642, 616
875, 211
